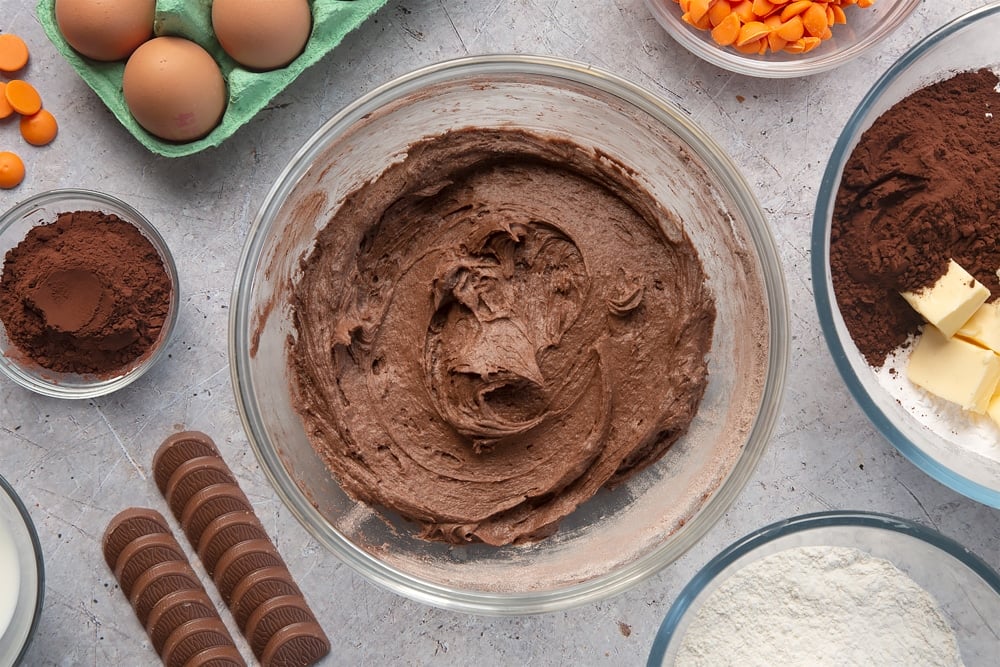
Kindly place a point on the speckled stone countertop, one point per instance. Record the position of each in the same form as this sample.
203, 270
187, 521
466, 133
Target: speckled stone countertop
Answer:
76, 464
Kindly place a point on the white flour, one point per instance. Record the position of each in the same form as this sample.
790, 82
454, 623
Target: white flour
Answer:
819, 606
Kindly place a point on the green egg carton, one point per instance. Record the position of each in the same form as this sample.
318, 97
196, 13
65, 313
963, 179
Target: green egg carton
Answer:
249, 91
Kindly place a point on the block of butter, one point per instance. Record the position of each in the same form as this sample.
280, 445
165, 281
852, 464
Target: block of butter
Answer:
954, 369
993, 410
983, 328
951, 301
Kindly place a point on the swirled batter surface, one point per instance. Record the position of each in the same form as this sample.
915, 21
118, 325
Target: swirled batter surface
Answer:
495, 328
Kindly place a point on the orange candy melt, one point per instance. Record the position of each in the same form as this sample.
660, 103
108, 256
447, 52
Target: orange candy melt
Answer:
11, 170
40, 128
13, 52
23, 97
5, 108
759, 26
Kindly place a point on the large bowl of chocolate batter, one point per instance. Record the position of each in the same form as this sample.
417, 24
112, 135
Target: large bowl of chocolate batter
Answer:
509, 334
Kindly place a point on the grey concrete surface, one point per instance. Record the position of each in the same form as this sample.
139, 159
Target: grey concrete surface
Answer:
76, 464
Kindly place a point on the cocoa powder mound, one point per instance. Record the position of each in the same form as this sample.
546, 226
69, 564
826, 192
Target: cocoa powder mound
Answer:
86, 294
921, 187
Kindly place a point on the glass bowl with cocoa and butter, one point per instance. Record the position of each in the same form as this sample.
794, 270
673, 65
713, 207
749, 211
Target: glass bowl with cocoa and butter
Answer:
905, 257
88, 294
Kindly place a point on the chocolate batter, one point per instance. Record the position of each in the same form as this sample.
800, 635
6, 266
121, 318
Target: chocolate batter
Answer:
494, 329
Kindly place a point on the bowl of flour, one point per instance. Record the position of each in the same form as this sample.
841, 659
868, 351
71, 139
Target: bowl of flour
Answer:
836, 588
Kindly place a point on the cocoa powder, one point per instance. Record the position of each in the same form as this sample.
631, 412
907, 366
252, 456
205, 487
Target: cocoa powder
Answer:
921, 187
86, 294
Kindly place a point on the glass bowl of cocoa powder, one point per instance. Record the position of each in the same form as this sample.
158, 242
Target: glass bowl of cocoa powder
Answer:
912, 185
88, 294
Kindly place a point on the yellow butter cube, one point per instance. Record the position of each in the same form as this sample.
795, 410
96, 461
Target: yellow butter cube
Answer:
951, 301
983, 328
993, 410
954, 369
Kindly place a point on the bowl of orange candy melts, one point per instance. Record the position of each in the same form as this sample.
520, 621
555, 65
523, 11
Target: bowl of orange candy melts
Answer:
779, 38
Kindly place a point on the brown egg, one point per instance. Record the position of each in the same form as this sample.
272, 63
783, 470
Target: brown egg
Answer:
174, 89
105, 29
262, 34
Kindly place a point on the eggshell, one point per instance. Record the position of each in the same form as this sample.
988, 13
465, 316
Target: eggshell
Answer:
262, 34
174, 89
105, 29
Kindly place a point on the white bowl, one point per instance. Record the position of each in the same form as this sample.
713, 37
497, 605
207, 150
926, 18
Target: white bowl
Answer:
22, 577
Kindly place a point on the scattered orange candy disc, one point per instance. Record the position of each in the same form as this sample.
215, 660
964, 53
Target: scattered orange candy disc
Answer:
5, 108
11, 170
23, 97
40, 128
13, 53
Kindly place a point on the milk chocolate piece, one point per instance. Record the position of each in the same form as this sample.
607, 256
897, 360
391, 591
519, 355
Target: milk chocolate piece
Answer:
233, 546
273, 615
177, 449
192, 476
192, 638
126, 526
209, 504
143, 553
176, 609
240, 560
217, 656
225, 532
258, 587
159, 581
298, 644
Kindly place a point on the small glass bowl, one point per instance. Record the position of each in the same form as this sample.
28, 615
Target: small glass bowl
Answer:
621, 536
44, 208
864, 29
965, 588
967, 43
20, 551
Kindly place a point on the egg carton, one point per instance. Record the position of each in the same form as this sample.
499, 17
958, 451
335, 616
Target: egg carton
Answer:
249, 91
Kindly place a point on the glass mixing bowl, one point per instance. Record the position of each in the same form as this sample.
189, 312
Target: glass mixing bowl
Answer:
620, 536
20, 559
967, 43
966, 589
44, 208
864, 29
